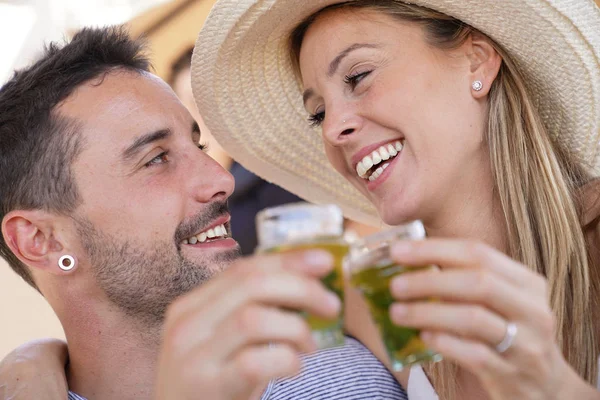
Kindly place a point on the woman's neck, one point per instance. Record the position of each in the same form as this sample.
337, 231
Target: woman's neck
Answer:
478, 216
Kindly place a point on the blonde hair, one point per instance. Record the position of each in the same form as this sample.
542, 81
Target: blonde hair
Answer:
538, 183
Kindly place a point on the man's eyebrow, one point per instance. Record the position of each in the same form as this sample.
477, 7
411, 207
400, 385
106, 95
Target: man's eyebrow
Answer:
333, 66
143, 141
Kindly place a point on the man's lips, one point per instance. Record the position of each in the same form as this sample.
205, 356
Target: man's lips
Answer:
218, 229
219, 221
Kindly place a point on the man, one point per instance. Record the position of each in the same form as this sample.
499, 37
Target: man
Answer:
252, 194
102, 187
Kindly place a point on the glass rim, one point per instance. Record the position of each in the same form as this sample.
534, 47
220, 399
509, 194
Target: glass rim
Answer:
374, 250
275, 211
409, 229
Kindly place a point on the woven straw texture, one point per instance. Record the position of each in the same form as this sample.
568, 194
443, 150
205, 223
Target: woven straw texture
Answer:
246, 91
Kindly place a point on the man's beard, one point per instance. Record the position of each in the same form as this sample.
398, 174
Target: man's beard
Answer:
143, 278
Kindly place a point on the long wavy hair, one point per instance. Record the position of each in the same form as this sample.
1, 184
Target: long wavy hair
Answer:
538, 182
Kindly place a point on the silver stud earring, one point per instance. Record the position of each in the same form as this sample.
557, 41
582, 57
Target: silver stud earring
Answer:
477, 86
66, 263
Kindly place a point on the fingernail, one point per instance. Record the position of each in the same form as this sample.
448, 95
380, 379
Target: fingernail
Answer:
398, 310
398, 286
318, 258
401, 248
334, 301
426, 336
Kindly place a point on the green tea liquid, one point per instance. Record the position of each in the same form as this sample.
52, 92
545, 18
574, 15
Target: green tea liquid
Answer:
326, 332
404, 346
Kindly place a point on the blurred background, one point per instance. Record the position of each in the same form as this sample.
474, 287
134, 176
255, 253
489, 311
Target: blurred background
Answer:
171, 28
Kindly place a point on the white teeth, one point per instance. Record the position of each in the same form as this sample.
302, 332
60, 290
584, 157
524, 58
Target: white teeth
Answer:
392, 150
378, 172
385, 155
385, 166
376, 157
367, 162
380, 155
360, 169
216, 232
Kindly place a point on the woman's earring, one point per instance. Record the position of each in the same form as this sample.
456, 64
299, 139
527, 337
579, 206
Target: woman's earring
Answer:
477, 86
66, 263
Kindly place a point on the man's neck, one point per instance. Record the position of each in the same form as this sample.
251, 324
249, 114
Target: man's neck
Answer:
112, 357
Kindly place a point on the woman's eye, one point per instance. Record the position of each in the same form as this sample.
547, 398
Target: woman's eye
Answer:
162, 158
354, 80
316, 120
203, 146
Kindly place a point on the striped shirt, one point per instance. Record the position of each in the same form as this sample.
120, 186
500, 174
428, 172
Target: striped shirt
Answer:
349, 372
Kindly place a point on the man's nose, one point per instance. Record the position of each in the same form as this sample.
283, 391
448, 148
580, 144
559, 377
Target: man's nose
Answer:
211, 181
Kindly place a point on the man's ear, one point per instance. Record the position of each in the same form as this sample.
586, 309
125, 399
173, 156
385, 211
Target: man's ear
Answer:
34, 237
485, 63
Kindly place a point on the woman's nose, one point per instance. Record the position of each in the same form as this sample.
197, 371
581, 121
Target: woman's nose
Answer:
338, 129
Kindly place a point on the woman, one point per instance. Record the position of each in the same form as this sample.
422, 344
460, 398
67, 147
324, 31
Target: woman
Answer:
479, 118
492, 111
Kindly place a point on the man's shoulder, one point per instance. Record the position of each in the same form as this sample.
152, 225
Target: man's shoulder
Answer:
341, 373
347, 372
73, 396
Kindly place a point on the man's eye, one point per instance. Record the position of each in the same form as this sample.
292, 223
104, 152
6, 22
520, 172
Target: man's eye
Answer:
162, 158
354, 80
316, 120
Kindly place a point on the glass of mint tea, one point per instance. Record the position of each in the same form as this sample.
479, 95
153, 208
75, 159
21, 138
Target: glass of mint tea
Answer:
371, 271
303, 226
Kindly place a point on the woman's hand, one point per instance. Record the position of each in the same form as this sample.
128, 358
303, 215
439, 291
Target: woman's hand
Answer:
35, 370
482, 296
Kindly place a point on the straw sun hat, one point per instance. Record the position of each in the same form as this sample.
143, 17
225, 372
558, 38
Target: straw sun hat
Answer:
248, 95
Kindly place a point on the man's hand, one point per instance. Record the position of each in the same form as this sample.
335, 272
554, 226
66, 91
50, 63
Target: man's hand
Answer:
230, 337
35, 370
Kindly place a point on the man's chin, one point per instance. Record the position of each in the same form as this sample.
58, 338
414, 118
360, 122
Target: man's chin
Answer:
216, 260
230, 255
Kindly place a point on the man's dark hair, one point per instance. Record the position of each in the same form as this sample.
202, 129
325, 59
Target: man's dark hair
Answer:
38, 146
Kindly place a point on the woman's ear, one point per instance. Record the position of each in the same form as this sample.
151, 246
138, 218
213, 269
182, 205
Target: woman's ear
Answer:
32, 236
485, 64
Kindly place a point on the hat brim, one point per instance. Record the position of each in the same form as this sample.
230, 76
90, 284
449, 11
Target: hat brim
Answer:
249, 97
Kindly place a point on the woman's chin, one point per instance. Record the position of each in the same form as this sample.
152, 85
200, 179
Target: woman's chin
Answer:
395, 215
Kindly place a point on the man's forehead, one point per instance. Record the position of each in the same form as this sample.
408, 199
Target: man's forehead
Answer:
120, 102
